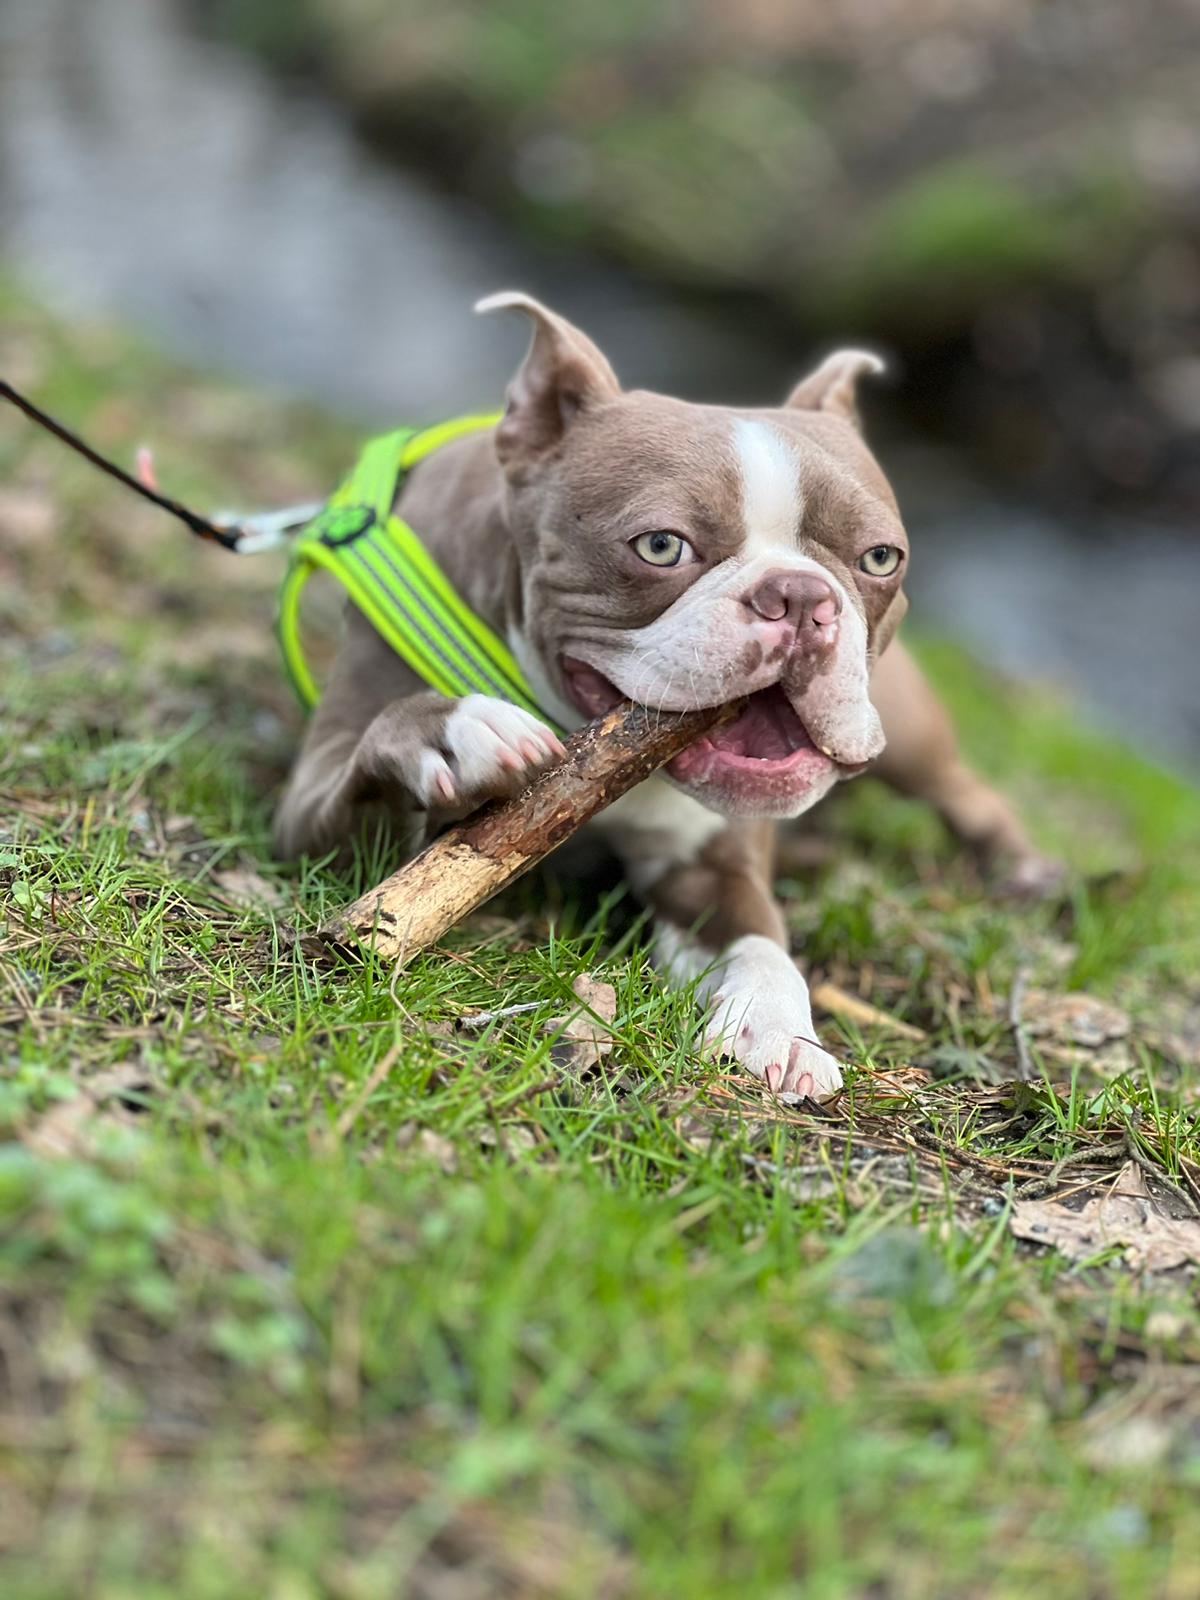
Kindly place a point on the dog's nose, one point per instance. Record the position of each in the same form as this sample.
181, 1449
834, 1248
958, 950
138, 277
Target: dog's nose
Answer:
804, 598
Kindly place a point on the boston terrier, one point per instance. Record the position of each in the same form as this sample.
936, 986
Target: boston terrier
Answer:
627, 544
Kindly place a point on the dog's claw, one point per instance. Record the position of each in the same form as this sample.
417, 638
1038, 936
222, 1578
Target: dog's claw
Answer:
761, 1019
492, 747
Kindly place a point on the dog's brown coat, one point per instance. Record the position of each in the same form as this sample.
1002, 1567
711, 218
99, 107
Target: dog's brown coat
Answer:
534, 527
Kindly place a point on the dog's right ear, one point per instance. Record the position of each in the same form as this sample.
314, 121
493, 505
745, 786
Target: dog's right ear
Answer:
562, 375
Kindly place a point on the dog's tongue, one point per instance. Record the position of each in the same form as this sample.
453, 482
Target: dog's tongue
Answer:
767, 730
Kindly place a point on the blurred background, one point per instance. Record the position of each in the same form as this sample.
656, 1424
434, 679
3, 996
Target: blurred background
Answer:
1001, 195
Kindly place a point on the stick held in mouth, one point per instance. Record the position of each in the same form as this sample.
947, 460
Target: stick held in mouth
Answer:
489, 850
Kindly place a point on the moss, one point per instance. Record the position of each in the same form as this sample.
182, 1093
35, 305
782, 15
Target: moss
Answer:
952, 237
716, 154
289, 36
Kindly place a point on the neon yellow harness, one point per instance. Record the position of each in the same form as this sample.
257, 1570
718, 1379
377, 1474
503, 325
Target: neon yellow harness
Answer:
395, 582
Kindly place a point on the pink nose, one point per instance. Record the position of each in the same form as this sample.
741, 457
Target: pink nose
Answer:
803, 598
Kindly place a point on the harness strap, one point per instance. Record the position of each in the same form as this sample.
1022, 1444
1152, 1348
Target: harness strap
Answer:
375, 555
395, 582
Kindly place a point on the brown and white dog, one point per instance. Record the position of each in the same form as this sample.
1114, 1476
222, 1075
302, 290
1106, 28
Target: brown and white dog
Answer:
628, 544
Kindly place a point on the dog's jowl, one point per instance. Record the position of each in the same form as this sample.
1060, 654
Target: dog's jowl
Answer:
626, 544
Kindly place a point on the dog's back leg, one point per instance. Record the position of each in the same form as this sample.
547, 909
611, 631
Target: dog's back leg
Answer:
922, 759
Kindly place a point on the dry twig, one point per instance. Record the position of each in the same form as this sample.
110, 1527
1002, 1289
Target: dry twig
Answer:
829, 997
475, 860
1027, 1070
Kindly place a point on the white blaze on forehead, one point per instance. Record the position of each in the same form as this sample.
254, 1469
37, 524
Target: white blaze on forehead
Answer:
770, 474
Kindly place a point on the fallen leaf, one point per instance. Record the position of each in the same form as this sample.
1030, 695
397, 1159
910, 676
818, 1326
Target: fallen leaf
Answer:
1078, 1030
1126, 1214
68, 1128
584, 1037
598, 996
246, 889
435, 1145
1073, 1018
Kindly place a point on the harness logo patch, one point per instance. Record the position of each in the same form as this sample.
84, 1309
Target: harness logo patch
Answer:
343, 524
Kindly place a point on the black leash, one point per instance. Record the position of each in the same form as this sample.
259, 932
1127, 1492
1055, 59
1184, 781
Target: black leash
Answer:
226, 537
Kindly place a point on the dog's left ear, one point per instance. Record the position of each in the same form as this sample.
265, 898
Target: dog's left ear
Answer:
833, 386
563, 374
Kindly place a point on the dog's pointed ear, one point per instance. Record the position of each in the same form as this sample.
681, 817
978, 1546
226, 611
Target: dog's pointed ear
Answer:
563, 374
833, 386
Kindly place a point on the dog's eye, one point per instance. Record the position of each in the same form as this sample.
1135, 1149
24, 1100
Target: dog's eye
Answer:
881, 560
661, 549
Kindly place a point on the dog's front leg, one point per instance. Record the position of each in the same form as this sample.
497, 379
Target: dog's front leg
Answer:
717, 920
417, 754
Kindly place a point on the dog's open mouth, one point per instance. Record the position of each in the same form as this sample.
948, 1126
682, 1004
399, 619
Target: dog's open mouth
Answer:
768, 743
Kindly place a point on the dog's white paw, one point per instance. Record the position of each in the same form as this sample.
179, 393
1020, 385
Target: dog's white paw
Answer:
761, 1017
487, 748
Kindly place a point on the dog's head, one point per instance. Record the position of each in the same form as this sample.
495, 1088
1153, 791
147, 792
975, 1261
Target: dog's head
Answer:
686, 555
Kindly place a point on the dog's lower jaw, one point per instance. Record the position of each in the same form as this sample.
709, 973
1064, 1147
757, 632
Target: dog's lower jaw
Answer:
762, 765
736, 790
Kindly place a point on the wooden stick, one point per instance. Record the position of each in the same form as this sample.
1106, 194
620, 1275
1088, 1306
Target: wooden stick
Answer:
482, 855
828, 997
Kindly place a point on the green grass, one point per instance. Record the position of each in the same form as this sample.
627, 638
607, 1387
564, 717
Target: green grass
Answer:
493, 1327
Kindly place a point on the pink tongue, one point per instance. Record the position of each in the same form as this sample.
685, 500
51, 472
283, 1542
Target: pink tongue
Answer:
768, 730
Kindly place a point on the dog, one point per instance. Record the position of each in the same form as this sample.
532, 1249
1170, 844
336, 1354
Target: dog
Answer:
627, 544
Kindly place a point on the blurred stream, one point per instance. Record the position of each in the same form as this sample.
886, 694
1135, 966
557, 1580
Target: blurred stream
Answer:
160, 179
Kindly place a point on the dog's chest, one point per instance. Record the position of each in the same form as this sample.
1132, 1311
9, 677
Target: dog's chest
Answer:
656, 826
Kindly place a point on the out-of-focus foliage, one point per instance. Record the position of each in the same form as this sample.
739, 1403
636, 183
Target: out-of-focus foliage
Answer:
1015, 179
866, 156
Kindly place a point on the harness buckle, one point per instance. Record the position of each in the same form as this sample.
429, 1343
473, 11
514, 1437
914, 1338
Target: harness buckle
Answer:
337, 526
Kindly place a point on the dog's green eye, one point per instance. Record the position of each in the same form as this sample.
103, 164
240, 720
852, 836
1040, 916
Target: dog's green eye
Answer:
881, 560
660, 549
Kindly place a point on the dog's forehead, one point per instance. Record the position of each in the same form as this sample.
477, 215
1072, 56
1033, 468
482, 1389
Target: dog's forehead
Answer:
641, 437
753, 473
